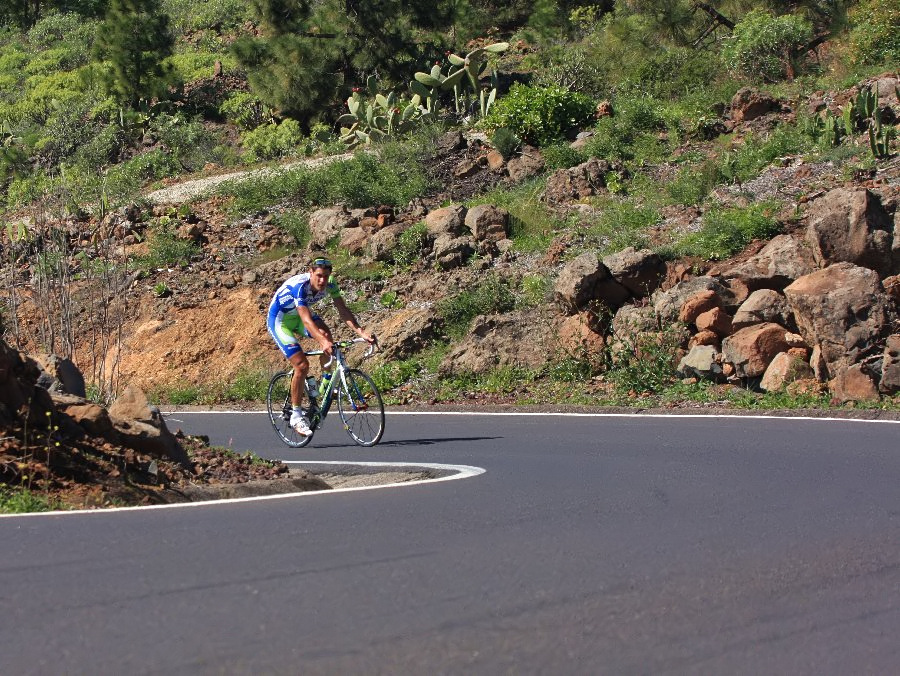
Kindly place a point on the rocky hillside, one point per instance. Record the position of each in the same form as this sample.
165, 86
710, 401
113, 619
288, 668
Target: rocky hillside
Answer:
813, 309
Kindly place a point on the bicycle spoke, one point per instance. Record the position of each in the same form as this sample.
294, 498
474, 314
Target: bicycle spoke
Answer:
361, 408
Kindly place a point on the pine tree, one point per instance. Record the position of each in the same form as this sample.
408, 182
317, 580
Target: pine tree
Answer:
311, 50
135, 41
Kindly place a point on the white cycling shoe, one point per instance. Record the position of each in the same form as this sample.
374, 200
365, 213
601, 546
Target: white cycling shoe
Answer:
299, 425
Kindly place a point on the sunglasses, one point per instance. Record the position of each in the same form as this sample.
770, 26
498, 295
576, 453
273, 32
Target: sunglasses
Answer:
321, 263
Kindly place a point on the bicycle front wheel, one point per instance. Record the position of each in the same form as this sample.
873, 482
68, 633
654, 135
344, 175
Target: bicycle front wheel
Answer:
361, 408
278, 403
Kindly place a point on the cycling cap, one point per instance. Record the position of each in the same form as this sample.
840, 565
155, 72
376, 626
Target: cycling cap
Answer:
321, 263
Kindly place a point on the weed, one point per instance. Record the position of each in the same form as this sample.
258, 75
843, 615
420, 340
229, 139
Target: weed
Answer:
622, 224
411, 245
296, 223
492, 295
21, 500
249, 384
724, 232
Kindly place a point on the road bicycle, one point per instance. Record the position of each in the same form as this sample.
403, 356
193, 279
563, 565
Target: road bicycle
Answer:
358, 400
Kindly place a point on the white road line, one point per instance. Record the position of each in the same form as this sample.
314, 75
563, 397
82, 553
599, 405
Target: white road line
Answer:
460, 472
558, 414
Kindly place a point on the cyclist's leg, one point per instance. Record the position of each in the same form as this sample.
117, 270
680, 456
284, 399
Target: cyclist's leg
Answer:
323, 327
284, 329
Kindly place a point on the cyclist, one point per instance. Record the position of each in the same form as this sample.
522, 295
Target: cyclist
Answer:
290, 318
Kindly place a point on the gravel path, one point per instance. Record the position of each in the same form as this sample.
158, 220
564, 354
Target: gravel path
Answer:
184, 192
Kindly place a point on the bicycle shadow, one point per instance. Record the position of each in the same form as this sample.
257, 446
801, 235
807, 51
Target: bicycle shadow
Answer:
409, 442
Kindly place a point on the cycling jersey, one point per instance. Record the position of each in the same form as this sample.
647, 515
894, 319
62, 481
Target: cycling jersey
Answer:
283, 321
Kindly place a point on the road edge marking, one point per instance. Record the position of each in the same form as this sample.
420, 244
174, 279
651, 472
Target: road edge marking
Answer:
459, 472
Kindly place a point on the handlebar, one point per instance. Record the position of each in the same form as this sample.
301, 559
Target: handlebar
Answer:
343, 344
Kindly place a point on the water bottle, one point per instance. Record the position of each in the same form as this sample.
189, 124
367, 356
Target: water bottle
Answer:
326, 379
311, 388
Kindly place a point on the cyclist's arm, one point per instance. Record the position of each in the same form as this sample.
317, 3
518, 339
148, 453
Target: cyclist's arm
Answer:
346, 314
313, 328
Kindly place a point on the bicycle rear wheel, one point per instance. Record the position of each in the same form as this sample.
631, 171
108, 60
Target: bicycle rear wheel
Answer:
278, 403
361, 408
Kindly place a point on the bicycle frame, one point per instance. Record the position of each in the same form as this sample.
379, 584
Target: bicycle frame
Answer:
318, 411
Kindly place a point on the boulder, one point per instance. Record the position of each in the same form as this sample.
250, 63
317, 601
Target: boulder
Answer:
696, 305
325, 224
641, 272
705, 337
703, 361
141, 427
784, 368
446, 221
890, 366
90, 417
752, 348
498, 340
487, 222
452, 252
495, 160
850, 225
763, 305
777, 264
406, 331
715, 320
578, 182
749, 104
582, 335
631, 321
842, 310
61, 375
585, 280
354, 240
383, 243
667, 304
528, 164
854, 383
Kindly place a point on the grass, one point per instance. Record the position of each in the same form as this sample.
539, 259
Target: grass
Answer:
621, 224
726, 231
21, 500
531, 225
492, 295
393, 177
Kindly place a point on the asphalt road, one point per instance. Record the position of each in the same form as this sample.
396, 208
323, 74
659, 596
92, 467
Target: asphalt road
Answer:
591, 545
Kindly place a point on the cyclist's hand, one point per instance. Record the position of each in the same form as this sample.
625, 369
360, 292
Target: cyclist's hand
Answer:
370, 339
327, 346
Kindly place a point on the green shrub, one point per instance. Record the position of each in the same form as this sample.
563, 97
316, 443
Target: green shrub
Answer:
20, 500
491, 295
674, 71
412, 244
760, 42
250, 383
362, 181
189, 16
505, 142
622, 224
875, 34
694, 182
534, 291
105, 147
246, 110
725, 232
540, 115
129, 177
648, 365
193, 65
189, 141
273, 140
561, 156
166, 250
295, 223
